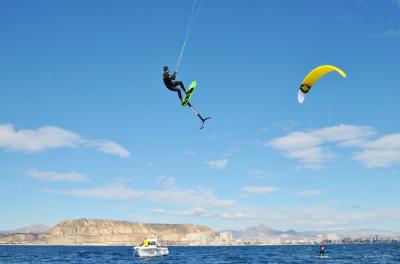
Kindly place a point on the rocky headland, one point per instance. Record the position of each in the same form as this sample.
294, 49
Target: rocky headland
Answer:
112, 233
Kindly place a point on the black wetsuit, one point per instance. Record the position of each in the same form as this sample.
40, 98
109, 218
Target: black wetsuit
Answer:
322, 250
171, 84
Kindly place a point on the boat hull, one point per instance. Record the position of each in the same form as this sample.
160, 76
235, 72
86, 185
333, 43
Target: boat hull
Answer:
151, 251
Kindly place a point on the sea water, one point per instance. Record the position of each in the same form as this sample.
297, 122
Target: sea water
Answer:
345, 253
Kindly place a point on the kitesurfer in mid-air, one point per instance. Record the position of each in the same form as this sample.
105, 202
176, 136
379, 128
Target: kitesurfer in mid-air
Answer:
172, 84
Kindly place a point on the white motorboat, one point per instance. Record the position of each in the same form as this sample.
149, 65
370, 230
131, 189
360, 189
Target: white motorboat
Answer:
152, 250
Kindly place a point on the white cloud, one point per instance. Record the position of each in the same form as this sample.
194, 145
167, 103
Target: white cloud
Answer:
57, 176
113, 192
231, 216
202, 213
311, 148
200, 203
193, 197
259, 189
194, 212
166, 180
309, 193
327, 216
217, 164
46, 137
343, 132
347, 18
258, 174
197, 211
378, 158
189, 152
159, 211
108, 147
353, 143
311, 158
383, 152
50, 137
388, 34
388, 142
296, 140
313, 151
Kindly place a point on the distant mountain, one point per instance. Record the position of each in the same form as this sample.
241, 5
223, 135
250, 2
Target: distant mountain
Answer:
362, 233
34, 229
262, 233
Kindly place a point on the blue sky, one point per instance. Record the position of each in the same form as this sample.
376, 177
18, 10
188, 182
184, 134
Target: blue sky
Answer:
87, 128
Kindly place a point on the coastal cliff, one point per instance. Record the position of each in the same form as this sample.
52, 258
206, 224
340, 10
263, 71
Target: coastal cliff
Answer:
112, 233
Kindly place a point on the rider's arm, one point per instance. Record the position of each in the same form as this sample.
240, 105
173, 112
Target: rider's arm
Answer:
173, 76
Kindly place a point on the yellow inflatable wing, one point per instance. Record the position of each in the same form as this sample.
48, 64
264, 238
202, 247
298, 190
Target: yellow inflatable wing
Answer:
313, 76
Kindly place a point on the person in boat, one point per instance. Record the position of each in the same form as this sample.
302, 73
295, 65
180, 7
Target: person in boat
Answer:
145, 242
322, 248
172, 84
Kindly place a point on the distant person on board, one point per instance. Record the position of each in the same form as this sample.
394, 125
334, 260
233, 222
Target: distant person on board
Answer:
322, 248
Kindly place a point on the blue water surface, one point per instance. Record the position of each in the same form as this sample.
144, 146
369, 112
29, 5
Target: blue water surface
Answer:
347, 253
